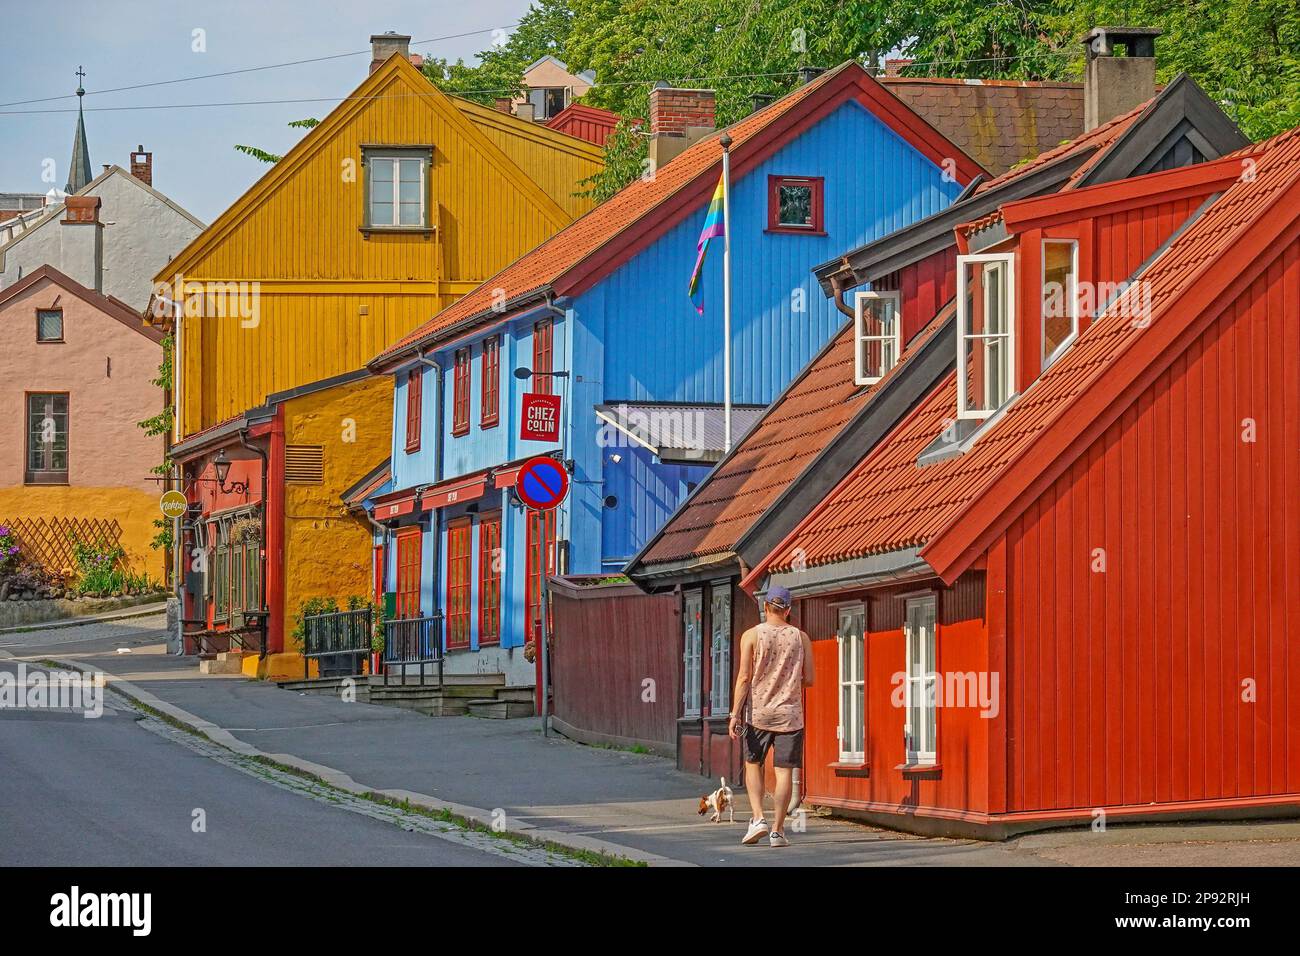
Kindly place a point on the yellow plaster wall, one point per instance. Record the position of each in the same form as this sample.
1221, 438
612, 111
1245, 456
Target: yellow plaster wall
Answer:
133, 509
327, 551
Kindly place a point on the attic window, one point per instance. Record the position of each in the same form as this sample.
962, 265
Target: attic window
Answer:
985, 333
397, 188
878, 333
1060, 297
795, 204
49, 325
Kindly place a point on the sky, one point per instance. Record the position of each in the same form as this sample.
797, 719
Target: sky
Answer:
129, 42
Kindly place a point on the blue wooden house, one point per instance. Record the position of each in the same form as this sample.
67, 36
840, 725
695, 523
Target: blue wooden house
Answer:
599, 316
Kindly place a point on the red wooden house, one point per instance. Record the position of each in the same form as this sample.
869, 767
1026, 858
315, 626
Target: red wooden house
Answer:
836, 410
1066, 587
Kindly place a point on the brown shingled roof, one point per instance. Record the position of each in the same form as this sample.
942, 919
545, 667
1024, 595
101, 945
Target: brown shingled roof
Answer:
997, 122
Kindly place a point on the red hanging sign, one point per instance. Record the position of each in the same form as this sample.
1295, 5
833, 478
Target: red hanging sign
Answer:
541, 417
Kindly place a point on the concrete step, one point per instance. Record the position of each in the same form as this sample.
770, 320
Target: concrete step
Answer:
332, 686
428, 701
519, 693
493, 708
481, 681
226, 662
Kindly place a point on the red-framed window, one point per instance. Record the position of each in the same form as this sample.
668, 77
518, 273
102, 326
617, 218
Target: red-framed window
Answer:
414, 403
543, 332
796, 204
539, 523
408, 573
490, 383
460, 394
489, 579
458, 582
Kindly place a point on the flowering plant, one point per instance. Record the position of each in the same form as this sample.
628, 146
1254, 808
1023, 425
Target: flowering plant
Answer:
10, 553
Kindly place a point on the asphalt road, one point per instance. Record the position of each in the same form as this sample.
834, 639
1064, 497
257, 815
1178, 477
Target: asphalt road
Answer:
121, 790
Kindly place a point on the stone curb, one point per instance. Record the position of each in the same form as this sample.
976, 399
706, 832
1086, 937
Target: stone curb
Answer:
143, 609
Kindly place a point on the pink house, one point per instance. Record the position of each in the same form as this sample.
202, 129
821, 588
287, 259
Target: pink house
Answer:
76, 376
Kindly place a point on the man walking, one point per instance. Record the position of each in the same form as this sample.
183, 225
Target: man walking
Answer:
775, 666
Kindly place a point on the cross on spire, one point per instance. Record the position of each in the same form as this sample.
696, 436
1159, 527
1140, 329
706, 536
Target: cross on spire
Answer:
81, 75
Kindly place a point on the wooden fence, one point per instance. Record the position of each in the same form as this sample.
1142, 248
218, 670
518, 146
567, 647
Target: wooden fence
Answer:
610, 639
48, 541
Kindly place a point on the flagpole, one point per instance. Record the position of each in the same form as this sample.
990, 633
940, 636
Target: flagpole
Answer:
726, 290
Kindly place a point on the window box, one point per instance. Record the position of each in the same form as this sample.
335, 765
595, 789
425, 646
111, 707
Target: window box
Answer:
795, 205
843, 769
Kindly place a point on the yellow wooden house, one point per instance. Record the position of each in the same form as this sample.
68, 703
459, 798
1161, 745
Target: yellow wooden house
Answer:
400, 201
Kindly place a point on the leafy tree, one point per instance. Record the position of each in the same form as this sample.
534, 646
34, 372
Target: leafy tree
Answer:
273, 158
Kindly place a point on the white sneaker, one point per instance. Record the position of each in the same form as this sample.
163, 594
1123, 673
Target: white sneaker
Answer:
777, 838
755, 832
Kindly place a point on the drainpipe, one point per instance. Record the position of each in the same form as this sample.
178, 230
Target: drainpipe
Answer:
838, 285
261, 578
439, 420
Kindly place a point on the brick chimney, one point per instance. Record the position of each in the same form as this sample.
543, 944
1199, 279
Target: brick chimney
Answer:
896, 66
81, 242
1115, 82
142, 165
503, 104
384, 45
679, 118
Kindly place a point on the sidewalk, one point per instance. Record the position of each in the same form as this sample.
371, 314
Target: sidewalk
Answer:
632, 804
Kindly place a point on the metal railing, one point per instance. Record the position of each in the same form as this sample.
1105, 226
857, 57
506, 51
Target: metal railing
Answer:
413, 640
333, 638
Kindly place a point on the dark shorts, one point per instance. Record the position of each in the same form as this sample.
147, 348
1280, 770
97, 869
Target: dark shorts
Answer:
787, 748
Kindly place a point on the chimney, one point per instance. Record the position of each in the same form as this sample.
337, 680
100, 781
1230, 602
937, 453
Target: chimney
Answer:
525, 111
504, 104
896, 66
1114, 83
678, 119
809, 73
384, 45
142, 165
81, 242
760, 100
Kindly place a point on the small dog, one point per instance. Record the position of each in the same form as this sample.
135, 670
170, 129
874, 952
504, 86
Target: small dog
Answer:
719, 802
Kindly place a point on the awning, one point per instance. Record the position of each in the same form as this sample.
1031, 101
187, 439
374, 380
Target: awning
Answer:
457, 491
675, 433
395, 504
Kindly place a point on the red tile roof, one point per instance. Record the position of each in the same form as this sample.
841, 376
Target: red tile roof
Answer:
888, 502
626, 216
795, 429
999, 123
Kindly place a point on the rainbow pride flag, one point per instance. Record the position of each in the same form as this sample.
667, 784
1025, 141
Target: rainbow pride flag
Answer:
714, 225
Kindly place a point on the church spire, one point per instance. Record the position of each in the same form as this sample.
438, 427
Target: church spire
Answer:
79, 169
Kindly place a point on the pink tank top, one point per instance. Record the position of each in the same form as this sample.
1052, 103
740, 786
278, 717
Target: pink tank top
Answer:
776, 695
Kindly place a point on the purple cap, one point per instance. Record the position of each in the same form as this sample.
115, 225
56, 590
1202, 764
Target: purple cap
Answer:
777, 595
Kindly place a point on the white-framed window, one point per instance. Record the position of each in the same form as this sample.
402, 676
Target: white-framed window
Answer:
720, 649
1060, 297
692, 651
922, 680
398, 188
878, 335
852, 728
986, 333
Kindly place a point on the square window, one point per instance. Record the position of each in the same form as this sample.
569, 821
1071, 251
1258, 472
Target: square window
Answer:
397, 189
795, 204
49, 325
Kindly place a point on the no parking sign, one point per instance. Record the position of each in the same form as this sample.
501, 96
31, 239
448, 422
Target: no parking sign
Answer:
542, 483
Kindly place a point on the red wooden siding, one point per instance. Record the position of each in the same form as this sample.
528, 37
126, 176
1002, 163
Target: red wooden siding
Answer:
961, 783
1128, 682
609, 641
489, 577
458, 582
926, 286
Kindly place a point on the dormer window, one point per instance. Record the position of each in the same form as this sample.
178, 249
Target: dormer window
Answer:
878, 335
397, 187
1060, 297
985, 333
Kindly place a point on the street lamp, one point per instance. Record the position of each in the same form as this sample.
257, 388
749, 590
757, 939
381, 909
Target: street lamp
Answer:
529, 373
222, 465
